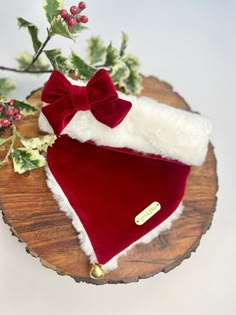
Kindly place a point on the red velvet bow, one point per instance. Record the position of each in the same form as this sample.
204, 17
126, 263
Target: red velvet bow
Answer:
99, 96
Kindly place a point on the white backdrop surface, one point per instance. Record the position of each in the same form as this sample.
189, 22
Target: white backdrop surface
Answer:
192, 45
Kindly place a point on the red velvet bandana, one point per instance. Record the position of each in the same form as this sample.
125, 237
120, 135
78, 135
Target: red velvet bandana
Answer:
107, 181
107, 189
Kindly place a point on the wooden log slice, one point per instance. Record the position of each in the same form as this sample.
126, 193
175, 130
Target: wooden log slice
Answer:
33, 215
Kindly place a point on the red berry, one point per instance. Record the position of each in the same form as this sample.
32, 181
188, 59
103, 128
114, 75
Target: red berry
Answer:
5, 122
18, 117
84, 19
74, 10
82, 5
67, 16
72, 21
16, 111
11, 103
10, 112
1, 108
64, 13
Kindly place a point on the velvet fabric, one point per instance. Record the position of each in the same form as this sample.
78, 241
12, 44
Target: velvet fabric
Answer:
99, 96
108, 187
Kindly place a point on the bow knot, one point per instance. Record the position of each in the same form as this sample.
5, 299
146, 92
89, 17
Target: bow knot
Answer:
99, 96
79, 97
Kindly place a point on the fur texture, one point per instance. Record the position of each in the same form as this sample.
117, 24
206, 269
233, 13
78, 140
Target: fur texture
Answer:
149, 127
85, 243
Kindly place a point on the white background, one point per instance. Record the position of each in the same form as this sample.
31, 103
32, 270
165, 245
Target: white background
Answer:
192, 45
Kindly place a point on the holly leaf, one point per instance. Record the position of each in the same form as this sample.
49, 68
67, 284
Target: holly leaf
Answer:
24, 61
77, 28
3, 141
33, 31
112, 56
58, 61
59, 27
132, 62
81, 68
52, 8
120, 72
96, 50
123, 44
40, 143
6, 86
132, 84
25, 108
27, 159
3, 99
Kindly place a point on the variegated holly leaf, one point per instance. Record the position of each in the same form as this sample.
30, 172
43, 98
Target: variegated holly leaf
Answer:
3, 99
81, 68
58, 61
52, 8
6, 87
3, 141
24, 61
75, 30
132, 62
33, 31
112, 56
123, 44
132, 84
25, 108
59, 27
40, 143
120, 72
27, 159
96, 50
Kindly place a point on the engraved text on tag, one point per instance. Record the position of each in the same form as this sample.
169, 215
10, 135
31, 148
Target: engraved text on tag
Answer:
147, 213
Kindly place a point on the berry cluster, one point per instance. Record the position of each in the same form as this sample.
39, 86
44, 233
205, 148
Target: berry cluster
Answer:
9, 113
75, 17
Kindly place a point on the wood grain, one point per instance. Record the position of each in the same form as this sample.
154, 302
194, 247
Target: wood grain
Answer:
33, 215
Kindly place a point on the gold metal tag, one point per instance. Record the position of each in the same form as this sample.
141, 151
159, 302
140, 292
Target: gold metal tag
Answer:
147, 213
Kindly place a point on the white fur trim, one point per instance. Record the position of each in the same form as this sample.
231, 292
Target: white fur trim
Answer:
166, 225
149, 127
83, 237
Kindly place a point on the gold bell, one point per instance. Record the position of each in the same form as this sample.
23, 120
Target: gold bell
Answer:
96, 272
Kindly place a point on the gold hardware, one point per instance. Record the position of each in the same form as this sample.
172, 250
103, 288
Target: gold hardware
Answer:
147, 213
96, 272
